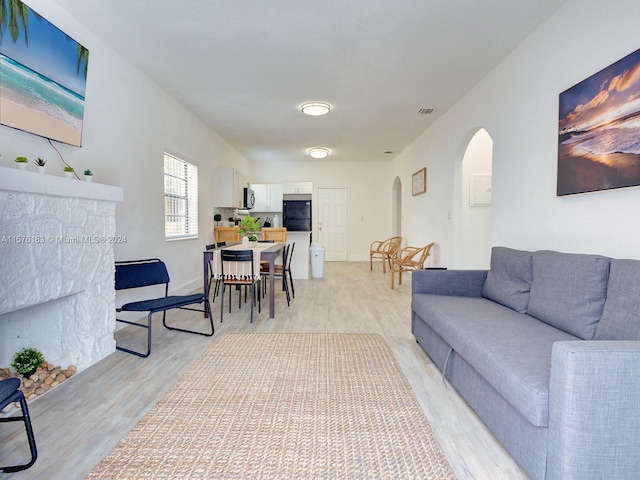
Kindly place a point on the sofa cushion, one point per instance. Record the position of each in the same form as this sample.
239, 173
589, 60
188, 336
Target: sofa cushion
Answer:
569, 290
509, 280
510, 350
621, 316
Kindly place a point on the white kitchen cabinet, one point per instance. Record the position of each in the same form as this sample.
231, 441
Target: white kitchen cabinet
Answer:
268, 197
230, 184
297, 187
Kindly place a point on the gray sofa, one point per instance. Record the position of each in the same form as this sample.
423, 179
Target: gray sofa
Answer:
545, 347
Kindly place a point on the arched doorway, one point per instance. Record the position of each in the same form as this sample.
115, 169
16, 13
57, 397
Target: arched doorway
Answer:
396, 209
474, 230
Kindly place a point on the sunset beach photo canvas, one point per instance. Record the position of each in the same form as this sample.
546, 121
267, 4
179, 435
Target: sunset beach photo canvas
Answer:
43, 76
599, 130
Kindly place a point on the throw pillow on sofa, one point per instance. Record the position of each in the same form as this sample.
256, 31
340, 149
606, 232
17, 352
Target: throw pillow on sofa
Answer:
621, 316
569, 290
509, 279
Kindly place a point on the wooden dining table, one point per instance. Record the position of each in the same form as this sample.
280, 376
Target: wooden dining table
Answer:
267, 253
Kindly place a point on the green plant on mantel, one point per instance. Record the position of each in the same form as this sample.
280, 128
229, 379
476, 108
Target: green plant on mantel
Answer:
249, 224
41, 162
21, 160
26, 361
68, 169
88, 172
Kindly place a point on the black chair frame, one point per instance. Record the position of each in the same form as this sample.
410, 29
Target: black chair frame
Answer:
216, 289
239, 256
12, 385
281, 270
287, 269
150, 272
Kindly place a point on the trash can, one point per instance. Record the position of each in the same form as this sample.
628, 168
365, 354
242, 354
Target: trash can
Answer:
317, 260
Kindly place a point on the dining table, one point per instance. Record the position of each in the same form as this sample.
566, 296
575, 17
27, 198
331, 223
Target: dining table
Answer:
268, 252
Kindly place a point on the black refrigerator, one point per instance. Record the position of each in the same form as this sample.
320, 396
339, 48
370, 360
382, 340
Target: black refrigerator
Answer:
296, 215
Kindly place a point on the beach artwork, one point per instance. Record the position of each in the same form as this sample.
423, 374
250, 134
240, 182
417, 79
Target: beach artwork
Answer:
599, 130
43, 76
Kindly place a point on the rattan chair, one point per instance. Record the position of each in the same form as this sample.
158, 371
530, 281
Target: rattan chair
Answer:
407, 259
277, 234
227, 234
383, 249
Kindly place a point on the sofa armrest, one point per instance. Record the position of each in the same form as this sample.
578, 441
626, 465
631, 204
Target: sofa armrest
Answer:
594, 410
460, 283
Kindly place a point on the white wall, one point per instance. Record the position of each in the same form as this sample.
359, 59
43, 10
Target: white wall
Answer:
370, 195
128, 123
517, 103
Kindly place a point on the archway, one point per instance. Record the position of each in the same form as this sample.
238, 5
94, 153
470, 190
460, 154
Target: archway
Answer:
396, 208
474, 216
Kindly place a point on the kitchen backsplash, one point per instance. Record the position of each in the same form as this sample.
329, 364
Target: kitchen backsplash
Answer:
230, 213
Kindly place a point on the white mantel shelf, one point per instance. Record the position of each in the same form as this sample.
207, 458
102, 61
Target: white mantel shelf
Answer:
24, 181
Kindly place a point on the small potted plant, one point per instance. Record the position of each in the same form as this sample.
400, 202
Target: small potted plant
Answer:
68, 171
40, 165
22, 162
26, 361
248, 226
88, 175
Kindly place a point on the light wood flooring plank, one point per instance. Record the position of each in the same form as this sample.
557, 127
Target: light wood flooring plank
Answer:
79, 422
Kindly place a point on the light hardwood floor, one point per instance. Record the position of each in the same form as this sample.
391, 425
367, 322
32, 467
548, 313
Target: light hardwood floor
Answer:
79, 422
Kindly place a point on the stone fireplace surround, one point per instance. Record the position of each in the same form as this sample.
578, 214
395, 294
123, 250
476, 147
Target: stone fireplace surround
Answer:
57, 267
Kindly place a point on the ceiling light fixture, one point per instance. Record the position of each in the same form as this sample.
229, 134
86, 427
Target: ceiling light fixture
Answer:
318, 152
316, 109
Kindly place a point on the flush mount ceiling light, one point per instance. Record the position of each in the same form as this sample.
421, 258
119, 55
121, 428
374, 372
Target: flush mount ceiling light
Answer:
316, 109
318, 152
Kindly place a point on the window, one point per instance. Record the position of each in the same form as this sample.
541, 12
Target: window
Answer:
180, 198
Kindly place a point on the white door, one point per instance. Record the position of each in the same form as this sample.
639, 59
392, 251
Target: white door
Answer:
333, 215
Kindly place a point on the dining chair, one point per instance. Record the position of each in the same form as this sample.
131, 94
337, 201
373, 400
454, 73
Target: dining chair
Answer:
277, 234
280, 270
407, 259
216, 288
383, 249
232, 263
227, 234
287, 269
9, 393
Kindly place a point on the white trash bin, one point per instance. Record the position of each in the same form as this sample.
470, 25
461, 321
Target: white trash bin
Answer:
317, 260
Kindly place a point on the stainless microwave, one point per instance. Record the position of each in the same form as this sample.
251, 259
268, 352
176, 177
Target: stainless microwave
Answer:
249, 199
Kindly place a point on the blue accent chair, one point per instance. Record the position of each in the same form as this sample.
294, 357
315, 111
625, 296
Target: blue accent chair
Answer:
145, 273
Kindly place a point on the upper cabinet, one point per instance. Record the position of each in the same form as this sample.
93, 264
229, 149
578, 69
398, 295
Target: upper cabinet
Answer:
297, 187
268, 197
230, 184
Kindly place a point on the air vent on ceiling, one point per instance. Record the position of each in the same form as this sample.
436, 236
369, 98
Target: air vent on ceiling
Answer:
425, 111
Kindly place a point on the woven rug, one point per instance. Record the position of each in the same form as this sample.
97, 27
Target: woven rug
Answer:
285, 406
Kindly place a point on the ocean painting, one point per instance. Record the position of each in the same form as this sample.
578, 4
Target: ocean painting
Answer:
43, 76
599, 130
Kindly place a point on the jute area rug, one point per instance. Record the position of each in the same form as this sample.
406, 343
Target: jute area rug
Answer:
290, 406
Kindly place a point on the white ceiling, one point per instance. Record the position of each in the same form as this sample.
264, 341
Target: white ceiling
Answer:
245, 66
